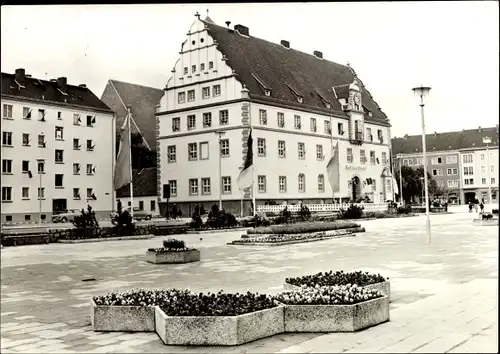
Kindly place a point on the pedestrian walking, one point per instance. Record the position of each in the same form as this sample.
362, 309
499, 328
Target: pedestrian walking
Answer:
470, 207
481, 206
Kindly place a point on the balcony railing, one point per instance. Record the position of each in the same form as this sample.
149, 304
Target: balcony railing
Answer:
357, 138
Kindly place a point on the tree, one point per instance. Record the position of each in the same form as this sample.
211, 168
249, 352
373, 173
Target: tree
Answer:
413, 186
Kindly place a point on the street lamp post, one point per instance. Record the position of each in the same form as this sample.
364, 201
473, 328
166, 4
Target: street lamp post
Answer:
401, 200
422, 92
220, 134
422, 184
487, 141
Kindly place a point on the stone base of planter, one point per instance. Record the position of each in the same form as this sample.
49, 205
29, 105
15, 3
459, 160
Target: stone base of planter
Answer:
383, 287
490, 222
121, 238
336, 318
223, 330
122, 318
173, 257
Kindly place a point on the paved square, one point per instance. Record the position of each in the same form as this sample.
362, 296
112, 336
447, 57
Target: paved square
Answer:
444, 294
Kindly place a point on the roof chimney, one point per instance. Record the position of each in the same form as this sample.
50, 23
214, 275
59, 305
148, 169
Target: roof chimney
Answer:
20, 75
318, 54
62, 84
228, 23
27, 76
285, 44
242, 30
53, 80
83, 85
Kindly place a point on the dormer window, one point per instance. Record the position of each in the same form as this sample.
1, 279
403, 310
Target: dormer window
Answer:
267, 92
263, 86
185, 70
300, 99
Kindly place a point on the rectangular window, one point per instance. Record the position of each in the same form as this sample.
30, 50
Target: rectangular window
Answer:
261, 183
380, 136
261, 147
90, 121
281, 120
216, 90
410, 162
181, 97
301, 183
90, 169
405, 162
328, 128
6, 192
25, 166
319, 152
152, 205
226, 185
193, 186
482, 156
449, 171
205, 186
173, 188
451, 159
369, 135
321, 183
7, 138
59, 180
281, 149
171, 154
362, 156
26, 139
419, 161
191, 121
262, 117
41, 193
434, 160
223, 117
202, 67
59, 133
493, 180
204, 150
76, 119
90, 145
41, 140
483, 180
76, 168
467, 158
193, 151
191, 96
349, 155
6, 166
483, 168
27, 112
301, 150
492, 168
224, 147
193, 69
207, 120
7, 111
340, 128
205, 92
210, 64
41, 166
186, 70
313, 124
455, 172
297, 122
41, 115
90, 193
282, 184
372, 158
450, 184
176, 124
76, 144
76, 193
59, 156
384, 158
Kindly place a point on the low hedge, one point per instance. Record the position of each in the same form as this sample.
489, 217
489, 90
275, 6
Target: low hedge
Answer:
302, 227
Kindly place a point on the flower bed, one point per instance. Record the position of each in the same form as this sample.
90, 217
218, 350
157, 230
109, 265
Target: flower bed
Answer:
303, 227
345, 308
286, 239
129, 311
173, 251
218, 319
363, 279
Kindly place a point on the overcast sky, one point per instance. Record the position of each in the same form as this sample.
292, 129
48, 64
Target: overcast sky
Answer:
452, 47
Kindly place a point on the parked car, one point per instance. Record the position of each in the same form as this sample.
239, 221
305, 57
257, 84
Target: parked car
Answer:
138, 214
68, 215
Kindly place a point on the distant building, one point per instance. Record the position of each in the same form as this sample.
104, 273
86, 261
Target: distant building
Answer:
298, 105
456, 160
144, 189
57, 148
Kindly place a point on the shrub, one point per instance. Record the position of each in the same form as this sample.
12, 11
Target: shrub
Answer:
284, 217
123, 223
196, 222
304, 212
376, 214
353, 211
328, 295
220, 219
261, 220
173, 243
338, 278
302, 227
487, 216
175, 212
86, 219
404, 209
494, 211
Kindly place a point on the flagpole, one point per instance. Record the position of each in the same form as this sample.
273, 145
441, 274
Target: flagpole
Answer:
130, 164
241, 203
331, 151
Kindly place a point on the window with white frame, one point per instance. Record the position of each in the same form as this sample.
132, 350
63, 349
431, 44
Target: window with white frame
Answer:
191, 121
171, 154
224, 147
58, 179
90, 145
76, 168
76, 193
405, 162
301, 150
186, 70
372, 157
297, 122
193, 151
492, 168
349, 155
302, 182
483, 168
90, 193
340, 128
173, 188
226, 185
176, 124
41, 193
281, 149
468, 170
261, 183
205, 92
6, 193
262, 117
451, 159
223, 117
419, 162
449, 183
41, 140
216, 90
181, 97
261, 146
7, 111
26, 139
313, 124
483, 180
193, 69
493, 180
6, 166
384, 158
482, 156
76, 119
191, 96
467, 158
210, 64
468, 181
59, 156
193, 186
27, 112
41, 166
321, 183
7, 138
455, 172
328, 128
204, 150
41, 115
25, 166
369, 134
207, 120
202, 67
281, 120
362, 156
437, 172
205, 186
59, 133
319, 153
449, 171
282, 184
90, 169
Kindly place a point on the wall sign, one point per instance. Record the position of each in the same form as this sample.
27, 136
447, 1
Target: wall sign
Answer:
355, 168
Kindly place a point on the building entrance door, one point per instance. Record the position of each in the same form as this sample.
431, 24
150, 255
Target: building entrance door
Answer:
59, 206
356, 188
469, 197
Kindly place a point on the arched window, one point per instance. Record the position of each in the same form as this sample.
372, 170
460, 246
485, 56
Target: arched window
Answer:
302, 182
321, 183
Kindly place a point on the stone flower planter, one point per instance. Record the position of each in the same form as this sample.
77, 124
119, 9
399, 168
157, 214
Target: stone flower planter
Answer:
122, 318
336, 318
173, 257
219, 330
383, 287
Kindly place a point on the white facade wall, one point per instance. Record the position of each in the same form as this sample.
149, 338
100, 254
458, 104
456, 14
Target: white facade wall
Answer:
480, 170
101, 158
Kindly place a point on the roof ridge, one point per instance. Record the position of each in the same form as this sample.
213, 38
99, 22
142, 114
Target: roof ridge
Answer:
448, 132
47, 81
130, 83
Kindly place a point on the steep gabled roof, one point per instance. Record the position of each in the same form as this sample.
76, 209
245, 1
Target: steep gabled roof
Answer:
251, 56
142, 100
465, 139
144, 184
48, 91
